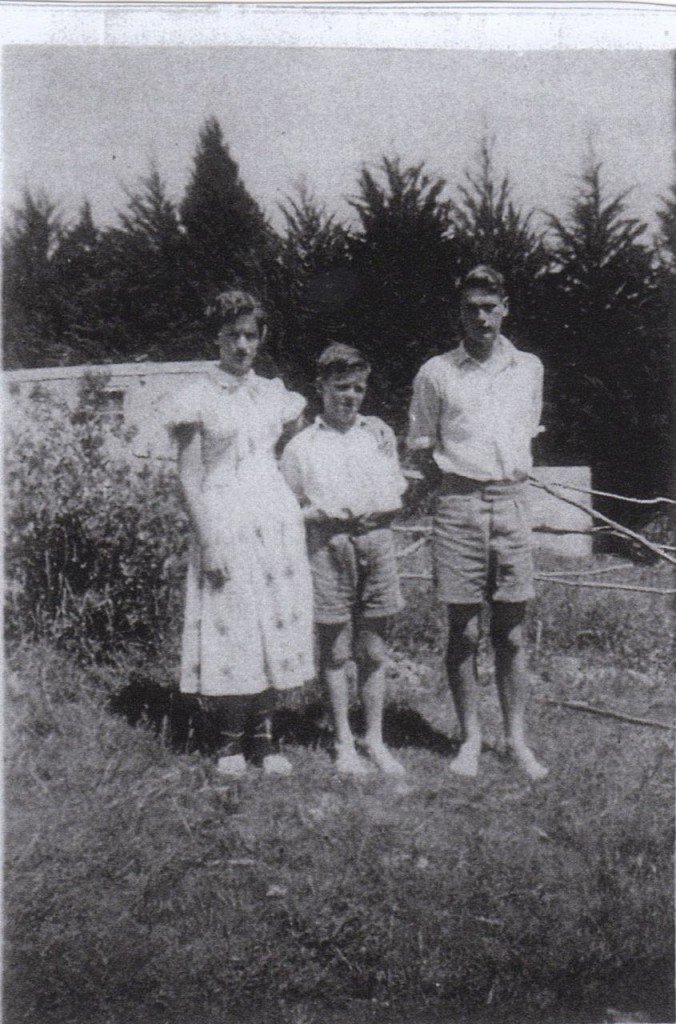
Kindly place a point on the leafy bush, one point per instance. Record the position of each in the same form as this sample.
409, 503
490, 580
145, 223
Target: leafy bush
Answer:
95, 545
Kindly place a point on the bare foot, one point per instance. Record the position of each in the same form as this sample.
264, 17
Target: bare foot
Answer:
527, 760
384, 760
466, 761
277, 764
348, 762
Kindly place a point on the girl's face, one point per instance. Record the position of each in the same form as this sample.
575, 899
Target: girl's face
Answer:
238, 343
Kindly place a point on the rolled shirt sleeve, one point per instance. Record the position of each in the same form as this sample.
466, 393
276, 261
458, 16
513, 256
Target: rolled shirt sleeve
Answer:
424, 412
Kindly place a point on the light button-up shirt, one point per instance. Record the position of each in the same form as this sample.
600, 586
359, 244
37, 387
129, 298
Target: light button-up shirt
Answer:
478, 417
345, 474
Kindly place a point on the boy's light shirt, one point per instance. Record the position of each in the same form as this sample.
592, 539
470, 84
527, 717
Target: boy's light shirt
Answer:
345, 474
478, 418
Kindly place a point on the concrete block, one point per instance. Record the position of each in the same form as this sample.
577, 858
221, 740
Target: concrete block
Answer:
558, 526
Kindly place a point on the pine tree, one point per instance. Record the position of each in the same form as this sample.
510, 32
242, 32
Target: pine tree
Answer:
608, 383
228, 239
78, 274
490, 228
125, 286
31, 327
151, 274
406, 263
317, 286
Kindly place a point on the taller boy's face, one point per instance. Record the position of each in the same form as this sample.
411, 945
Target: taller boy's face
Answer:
482, 313
342, 396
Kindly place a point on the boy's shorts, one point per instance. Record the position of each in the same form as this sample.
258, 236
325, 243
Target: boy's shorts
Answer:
353, 574
482, 542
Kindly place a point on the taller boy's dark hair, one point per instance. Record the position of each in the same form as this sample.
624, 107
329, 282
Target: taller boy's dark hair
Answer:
339, 358
233, 303
486, 278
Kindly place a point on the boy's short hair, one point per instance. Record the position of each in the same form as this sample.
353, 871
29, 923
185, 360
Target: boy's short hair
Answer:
338, 359
486, 279
229, 305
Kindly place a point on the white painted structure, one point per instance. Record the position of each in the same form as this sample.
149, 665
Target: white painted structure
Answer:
138, 392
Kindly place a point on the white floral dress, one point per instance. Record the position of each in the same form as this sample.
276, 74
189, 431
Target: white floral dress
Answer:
255, 631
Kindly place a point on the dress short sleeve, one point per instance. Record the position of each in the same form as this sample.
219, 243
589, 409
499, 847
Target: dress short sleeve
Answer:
290, 404
183, 407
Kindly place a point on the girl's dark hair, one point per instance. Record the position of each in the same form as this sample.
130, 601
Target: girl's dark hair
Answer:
233, 303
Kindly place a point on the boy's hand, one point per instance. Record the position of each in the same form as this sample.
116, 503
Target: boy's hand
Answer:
373, 520
314, 514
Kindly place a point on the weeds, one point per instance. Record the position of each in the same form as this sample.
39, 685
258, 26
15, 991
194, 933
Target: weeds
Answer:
137, 885
140, 888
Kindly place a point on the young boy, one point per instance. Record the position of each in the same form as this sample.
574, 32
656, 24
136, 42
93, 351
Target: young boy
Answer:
344, 470
474, 413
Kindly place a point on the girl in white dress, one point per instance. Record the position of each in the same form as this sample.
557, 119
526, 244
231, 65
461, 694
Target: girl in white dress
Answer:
248, 611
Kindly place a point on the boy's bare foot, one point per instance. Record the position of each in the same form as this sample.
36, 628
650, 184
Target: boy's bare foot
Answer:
277, 764
466, 761
234, 765
348, 762
527, 761
384, 760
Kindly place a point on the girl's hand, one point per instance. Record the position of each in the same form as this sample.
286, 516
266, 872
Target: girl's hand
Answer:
214, 567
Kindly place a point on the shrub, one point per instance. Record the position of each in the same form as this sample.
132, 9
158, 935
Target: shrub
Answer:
95, 545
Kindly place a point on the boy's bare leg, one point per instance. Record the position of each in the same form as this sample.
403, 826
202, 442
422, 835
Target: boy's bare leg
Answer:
461, 656
372, 661
335, 650
512, 680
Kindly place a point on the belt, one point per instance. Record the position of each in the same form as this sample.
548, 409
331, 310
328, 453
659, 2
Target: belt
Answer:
354, 527
451, 483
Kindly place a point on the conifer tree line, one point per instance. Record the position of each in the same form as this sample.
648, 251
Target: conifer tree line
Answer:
591, 293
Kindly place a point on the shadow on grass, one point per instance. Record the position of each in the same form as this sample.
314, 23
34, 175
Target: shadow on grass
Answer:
185, 725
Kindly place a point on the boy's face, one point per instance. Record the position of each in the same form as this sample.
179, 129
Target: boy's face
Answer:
342, 396
482, 313
238, 344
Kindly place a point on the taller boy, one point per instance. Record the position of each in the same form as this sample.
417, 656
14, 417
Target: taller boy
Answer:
474, 412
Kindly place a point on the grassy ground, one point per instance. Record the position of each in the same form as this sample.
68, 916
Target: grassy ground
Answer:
140, 888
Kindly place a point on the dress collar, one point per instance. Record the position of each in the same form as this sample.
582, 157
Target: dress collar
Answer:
231, 382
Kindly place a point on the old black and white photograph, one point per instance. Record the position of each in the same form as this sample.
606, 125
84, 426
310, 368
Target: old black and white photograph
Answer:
339, 501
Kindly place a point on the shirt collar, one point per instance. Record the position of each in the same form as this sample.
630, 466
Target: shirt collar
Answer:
321, 424
503, 355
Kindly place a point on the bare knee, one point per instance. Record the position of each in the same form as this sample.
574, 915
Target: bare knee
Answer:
463, 632
507, 634
371, 650
335, 646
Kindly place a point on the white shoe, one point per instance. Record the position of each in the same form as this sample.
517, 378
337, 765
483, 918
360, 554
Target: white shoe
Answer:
348, 762
233, 765
277, 764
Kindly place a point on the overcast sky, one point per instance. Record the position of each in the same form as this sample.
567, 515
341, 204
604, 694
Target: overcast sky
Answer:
86, 121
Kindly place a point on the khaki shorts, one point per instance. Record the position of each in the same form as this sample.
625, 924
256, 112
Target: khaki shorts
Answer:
481, 546
353, 574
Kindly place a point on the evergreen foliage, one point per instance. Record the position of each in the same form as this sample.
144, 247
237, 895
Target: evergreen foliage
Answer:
589, 295
30, 314
406, 262
147, 285
318, 285
606, 344
490, 228
228, 240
